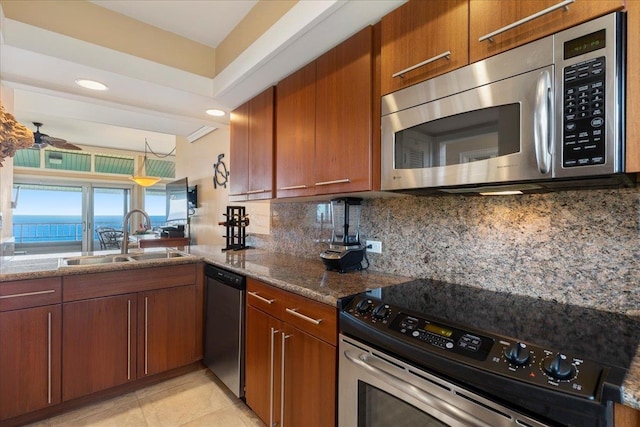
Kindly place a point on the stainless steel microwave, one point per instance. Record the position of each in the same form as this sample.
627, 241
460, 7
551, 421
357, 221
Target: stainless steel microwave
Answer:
548, 111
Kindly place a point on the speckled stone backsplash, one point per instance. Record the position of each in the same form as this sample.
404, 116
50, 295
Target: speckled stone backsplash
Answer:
580, 247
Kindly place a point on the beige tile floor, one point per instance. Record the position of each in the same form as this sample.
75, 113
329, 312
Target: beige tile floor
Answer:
192, 400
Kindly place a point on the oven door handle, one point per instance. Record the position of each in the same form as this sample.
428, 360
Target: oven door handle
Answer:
543, 122
364, 361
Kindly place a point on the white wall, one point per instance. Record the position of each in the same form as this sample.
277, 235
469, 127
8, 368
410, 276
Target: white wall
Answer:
195, 161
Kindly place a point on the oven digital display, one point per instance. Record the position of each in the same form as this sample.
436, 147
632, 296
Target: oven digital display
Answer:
585, 44
439, 330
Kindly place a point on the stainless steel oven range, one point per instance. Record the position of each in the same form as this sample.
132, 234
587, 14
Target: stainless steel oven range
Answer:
427, 353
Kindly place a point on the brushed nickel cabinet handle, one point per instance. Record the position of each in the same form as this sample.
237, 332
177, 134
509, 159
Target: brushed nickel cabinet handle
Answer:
257, 191
401, 74
284, 339
294, 311
49, 320
28, 294
128, 339
146, 335
263, 299
271, 381
294, 187
565, 4
337, 181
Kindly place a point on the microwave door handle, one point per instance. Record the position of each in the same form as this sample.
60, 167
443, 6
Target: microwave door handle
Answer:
543, 122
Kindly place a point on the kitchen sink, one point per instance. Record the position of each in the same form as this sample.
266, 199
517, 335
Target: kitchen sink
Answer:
156, 255
93, 260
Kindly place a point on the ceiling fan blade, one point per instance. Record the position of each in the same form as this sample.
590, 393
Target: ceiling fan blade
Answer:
62, 144
59, 143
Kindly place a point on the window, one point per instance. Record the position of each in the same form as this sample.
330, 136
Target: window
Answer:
155, 204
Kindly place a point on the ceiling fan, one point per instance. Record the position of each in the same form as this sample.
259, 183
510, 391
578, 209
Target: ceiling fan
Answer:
41, 140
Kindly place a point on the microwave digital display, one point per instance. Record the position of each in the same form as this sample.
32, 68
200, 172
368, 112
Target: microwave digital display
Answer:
585, 44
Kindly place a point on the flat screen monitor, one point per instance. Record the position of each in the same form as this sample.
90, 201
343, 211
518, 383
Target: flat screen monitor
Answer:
177, 203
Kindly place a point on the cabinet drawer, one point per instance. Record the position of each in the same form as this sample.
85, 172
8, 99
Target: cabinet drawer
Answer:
30, 293
265, 297
312, 317
95, 285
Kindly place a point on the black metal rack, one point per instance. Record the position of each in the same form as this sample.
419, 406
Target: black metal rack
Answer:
236, 224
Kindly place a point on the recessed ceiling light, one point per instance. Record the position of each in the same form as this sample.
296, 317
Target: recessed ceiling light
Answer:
216, 113
91, 84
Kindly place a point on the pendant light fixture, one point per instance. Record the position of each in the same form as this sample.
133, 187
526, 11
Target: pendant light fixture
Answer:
142, 179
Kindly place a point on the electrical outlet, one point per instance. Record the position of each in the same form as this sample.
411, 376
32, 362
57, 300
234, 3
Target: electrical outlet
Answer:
376, 246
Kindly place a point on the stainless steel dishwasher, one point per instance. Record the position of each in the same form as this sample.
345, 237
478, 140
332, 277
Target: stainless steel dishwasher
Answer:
224, 327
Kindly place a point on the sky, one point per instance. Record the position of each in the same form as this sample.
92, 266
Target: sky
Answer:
42, 202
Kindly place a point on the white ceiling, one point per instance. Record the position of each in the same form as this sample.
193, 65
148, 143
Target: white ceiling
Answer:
153, 101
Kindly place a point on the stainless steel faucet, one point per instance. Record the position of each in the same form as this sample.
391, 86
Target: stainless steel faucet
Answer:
125, 228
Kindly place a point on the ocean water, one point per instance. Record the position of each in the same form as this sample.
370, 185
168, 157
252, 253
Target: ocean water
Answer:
57, 228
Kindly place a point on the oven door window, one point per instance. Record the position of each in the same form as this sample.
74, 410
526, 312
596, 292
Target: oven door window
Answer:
462, 138
377, 408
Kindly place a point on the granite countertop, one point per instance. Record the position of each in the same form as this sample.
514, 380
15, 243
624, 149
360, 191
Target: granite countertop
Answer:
302, 276
24, 267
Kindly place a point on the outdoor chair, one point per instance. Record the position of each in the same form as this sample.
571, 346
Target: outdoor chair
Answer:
110, 238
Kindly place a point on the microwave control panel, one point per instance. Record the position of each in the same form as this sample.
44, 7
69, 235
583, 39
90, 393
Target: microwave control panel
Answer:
583, 140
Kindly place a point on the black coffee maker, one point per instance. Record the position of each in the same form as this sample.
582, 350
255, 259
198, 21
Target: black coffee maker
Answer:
345, 252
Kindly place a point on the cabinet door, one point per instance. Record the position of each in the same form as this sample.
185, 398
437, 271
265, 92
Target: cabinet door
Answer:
310, 380
262, 367
344, 116
296, 133
29, 360
261, 120
419, 31
239, 153
166, 329
633, 88
488, 16
98, 337
626, 416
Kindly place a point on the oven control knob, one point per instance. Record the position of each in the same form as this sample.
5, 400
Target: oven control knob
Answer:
518, 354
559, 367
364, 305
381, 311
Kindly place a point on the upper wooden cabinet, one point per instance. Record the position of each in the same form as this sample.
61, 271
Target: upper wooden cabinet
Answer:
427, 38
632, 155
344, 114
251, 163
490, 16
296, 133
325, 115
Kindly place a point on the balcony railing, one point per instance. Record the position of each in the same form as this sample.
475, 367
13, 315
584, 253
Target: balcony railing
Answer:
53, 232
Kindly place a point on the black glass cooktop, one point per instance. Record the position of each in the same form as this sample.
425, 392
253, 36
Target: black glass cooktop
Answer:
607, 337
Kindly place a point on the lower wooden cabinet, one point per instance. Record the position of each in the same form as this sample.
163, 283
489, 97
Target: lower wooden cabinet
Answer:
290, 370
29, 360
112, 340
109, 329
309, 379
166, 329
99, 344
626, 416
262, 370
